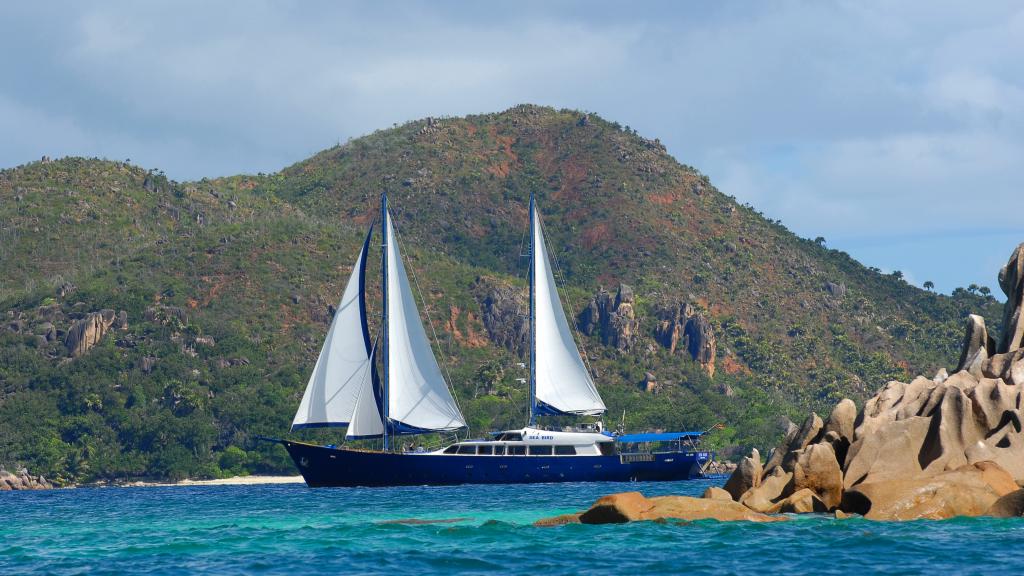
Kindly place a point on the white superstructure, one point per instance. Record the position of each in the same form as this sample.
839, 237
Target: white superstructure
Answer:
535, 442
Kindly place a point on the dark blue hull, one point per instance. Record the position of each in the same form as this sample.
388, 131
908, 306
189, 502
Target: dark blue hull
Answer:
324, 466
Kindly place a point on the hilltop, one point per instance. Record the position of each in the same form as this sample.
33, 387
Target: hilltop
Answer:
152, 327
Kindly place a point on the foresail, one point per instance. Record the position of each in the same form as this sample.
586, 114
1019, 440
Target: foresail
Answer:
366, 419
344, 366
563, 383
418, 397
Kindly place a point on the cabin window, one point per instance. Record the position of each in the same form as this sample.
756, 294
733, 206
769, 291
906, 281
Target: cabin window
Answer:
451, 450
517, 450
499, 450
484, 449
467, 449
511, 437
540, 450
565, 450
607, 448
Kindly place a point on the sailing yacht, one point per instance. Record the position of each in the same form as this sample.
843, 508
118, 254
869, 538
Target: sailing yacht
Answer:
411, 396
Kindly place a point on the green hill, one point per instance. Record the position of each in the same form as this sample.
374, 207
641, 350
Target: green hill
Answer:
227, 287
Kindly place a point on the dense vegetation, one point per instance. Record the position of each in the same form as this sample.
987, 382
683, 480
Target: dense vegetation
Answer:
226, 284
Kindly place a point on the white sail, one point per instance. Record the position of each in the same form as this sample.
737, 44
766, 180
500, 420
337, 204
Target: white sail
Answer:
418, 397
562, 381
366, 421
343, 368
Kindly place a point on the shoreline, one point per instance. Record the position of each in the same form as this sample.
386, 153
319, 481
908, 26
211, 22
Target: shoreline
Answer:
231, 481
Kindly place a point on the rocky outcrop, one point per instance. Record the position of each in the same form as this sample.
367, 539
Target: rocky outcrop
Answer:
796, 439
613, 318
951, 445
650, 384
1011, 281
778, 484
933, 448
683, 327
22, 480
700, 342
716, 493
839, 428
977, 346
1008, 506
817, 470
559, 520
633, 507
87, 332
803, 501
970, 490
505, 314
166, 315
746, 476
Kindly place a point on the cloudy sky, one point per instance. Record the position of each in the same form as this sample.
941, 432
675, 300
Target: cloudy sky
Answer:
893, 129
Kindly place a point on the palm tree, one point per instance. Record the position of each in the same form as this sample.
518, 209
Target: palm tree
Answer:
929, 285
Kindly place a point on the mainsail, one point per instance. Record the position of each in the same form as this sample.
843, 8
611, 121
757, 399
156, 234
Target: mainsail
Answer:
561, 382
418, 398
344, 389
344, 371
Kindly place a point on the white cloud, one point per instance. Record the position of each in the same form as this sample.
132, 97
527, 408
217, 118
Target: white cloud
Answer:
852, 120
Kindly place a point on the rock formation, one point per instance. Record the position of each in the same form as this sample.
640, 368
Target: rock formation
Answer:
746, 476
683, 324
505, 314
634, 506
932, 448
951, 445
1009, 506
613, 318
1011, 280
87, 332
22, 481
166, 315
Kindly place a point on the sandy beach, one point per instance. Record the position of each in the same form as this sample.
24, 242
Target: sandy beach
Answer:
232, 481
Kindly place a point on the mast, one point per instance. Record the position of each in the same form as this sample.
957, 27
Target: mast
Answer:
384, 308
560, 382
533, 323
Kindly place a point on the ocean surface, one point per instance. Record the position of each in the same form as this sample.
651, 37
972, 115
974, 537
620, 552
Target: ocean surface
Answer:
291, 529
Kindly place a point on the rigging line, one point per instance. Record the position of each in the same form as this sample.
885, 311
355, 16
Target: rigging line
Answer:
562, 294
522, 238
430, 322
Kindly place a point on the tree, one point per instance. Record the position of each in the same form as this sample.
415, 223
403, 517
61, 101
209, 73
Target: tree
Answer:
973, 288
929, 285
820, 240
984, 290
897, 274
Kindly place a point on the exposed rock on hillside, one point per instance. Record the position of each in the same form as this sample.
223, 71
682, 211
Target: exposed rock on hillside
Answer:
505, 314
684, 325
87, 332
615, 319
166, 315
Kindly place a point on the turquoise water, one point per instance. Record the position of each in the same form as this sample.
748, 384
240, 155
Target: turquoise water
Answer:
290, 529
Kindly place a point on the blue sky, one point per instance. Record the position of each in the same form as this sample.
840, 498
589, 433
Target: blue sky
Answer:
893, 129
